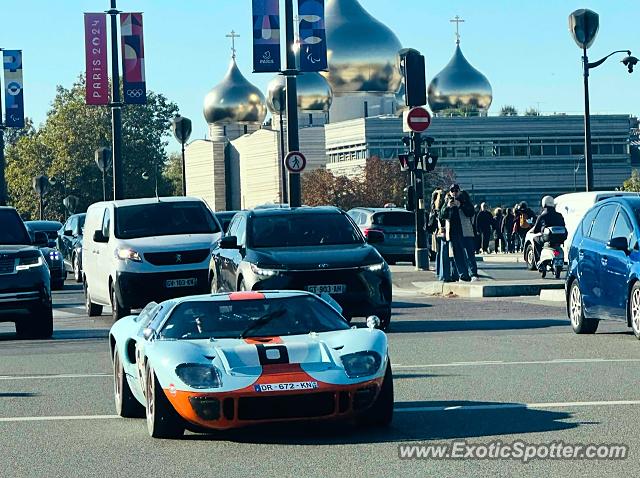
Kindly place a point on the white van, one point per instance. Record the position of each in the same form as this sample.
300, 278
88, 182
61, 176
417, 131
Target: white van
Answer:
573, 207
139, 250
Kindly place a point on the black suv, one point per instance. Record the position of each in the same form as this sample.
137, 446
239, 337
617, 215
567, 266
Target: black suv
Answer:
318, 249
25, 292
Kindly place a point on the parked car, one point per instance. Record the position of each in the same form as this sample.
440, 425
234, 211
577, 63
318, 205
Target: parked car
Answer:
70, 244
232, 360
50, 252
315, 249
25, 282
224, 218
139, 250
604, 266
398, 227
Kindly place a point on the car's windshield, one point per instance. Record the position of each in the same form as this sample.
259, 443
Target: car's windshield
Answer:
299, 230
229, 319
164, 219
12, 230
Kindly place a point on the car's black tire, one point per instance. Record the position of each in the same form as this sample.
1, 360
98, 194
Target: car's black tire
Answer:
633, 309
579, 323
380, 414
127, 406
77, 269
162, 420
93, 310
242, 286
530, 257
117, 310
385, 319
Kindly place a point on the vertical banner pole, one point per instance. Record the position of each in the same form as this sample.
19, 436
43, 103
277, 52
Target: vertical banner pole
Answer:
3, 185
116, 107
293, 142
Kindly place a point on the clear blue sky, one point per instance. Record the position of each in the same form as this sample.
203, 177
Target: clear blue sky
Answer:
524, 48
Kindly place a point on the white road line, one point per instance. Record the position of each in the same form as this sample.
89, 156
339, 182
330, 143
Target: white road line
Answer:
531, 362
497, 406
58, 418
40, 377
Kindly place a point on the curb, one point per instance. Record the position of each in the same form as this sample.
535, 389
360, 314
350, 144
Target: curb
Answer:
499, 259
494, 289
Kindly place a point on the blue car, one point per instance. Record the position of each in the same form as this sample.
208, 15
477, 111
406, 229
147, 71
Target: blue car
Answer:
604, 266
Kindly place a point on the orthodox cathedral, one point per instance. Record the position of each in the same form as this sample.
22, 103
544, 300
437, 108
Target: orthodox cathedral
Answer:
353, 112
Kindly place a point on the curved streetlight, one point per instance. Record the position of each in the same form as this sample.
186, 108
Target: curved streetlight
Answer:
41, 186
181, 128
103, 161
584, 25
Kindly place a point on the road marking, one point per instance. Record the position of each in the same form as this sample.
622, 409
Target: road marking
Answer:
497, 406
531, 362
58, 418
40, 377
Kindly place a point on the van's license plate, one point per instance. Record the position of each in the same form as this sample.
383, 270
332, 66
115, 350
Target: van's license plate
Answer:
169, 284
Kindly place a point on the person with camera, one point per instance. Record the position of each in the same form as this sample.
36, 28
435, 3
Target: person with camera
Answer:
458, 212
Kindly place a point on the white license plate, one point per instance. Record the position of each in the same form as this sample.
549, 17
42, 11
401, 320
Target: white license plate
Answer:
283, 387
398, 236
180, 283
327, 289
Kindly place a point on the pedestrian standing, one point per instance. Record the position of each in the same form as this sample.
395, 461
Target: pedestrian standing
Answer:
499, 240
507, 230
457, 212
477, 240
444, 267
484, 225
524, 220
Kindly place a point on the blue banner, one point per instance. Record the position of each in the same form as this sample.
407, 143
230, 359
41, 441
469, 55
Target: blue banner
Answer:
14, 100
313, 37
266, 36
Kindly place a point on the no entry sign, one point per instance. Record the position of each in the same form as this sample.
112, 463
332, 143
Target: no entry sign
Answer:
295, 162
416, 119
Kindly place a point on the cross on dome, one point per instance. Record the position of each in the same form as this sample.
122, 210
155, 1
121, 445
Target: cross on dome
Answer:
457, 20
233, 35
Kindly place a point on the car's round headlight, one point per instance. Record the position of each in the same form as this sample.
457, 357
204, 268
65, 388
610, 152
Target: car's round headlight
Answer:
361, 364
199, 375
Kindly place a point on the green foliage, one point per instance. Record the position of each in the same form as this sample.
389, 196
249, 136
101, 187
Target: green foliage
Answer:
633, 183
508, 110
172, 174
65, 145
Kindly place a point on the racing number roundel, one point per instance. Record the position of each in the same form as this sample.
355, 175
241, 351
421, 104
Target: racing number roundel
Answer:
295, 162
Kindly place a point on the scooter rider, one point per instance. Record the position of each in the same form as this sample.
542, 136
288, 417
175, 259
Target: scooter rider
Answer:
548, 218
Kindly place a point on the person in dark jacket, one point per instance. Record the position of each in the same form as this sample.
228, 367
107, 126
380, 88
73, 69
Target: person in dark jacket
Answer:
507, 230
499, 240
457, 212
484, 224
524, 220
548, 218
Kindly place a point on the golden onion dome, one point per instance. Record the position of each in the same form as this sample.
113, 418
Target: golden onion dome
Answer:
314, 93
459, 86
234, 100
362, 52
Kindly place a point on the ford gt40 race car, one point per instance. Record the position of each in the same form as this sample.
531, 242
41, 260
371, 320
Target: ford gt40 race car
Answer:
228, 360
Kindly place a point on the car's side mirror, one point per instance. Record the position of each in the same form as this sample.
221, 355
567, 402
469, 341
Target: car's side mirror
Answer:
40, 239
229, 242
68, 232
98, 236
619, 244
375, 237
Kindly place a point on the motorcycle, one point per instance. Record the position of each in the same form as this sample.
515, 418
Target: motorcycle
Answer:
552, 255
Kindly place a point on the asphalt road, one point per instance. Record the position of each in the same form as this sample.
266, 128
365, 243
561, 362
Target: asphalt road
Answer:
463, 369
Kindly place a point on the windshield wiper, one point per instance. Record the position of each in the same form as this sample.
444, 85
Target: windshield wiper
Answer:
264, 320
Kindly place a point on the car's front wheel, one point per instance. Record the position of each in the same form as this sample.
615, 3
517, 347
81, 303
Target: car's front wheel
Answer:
93, 310
579, 323
162, 419
117, 310
381, 412
634, 309
126, 404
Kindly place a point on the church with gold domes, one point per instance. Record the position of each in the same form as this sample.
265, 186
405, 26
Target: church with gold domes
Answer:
353, 112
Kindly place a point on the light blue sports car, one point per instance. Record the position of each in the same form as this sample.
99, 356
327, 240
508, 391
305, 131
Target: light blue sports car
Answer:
222, 361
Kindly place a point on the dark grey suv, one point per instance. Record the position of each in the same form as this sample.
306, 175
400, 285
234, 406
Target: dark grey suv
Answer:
25, 291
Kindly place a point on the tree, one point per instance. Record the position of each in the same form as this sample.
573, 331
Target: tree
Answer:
383, 183
633, 183
65, 145
172, 174
508, 110
532, 112
12, 135
322, 188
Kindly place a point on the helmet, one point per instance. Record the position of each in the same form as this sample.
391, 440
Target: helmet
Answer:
548, 201
522, 206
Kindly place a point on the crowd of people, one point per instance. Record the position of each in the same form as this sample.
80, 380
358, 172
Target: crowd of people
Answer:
461, 230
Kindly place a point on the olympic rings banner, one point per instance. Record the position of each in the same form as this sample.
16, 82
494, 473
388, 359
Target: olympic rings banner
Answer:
313, 36
14, 100
266, 36
95, 44
134, 83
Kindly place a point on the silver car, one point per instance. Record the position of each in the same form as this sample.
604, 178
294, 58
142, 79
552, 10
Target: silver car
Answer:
398, 227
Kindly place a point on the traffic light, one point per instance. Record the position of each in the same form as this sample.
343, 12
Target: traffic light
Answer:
413, 69
410, 198
430, 161
404, 162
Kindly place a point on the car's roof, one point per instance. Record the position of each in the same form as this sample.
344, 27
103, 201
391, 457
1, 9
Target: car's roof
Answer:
633, 201
226, 213
381, 209
593, 195
151, 200
45, 224
248, 295
295, 210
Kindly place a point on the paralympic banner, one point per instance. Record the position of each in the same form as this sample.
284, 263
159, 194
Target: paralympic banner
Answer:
95, 44
134, 83
266, 36
14, 100
313, 37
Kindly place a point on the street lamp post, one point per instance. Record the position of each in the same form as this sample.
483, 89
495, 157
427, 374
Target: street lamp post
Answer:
181, 128
583, 25
103, 157
116, 107
293, 141
41, 186
576, 168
